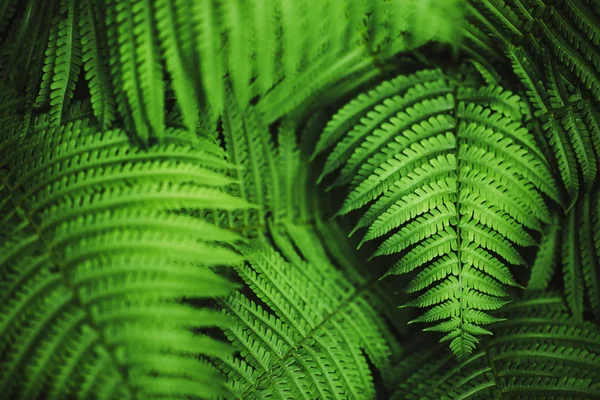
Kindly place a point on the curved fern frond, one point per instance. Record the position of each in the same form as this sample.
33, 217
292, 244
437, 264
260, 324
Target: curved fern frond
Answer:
448, 188
305, 336
99, 247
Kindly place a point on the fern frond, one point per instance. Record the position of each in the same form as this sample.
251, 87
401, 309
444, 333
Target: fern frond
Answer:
499, 14
570, 260
572, 121
527, 71
288, 345
68, 61
266, 53
43, 96
572, 50
590, 256
93, 53
574, 247
245, 146
505, 138
562, 43
346, 148
537, 350
446, 194
546, 258
490, 76
585, 18
97, 252
351, 113
293, 346
147, 63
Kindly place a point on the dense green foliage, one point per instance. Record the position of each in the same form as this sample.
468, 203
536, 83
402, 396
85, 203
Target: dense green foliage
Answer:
181, 182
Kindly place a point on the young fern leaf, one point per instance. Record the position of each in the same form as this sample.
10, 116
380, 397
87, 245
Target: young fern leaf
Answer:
99, 247
453, 193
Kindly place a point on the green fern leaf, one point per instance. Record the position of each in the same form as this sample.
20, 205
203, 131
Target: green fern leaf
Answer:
68, 62
584, 17
239, 48
537, 350
208, 46
93, 55
547, 257
266, 53
43, 97
292, 346
354, 110
134, 57
170, 21
97, 251
571, 260
147, 63
572, 122
563, 47
500, 15
447, 193
589, 255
